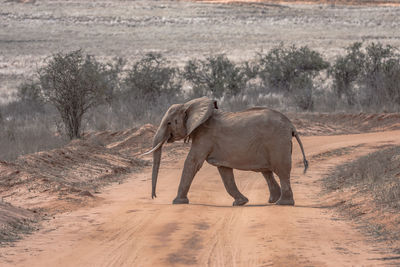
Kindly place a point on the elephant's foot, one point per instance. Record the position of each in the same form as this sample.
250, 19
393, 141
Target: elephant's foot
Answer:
240, 201
274, 197
286, 199
184, 200
289, 202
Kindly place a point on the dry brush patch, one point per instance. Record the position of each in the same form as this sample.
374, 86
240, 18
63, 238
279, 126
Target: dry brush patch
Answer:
14, 222
370, 191
40, 185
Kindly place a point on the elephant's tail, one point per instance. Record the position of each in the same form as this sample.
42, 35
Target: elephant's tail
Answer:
295, 134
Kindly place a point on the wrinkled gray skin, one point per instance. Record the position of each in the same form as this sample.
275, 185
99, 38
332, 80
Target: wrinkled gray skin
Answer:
258, 139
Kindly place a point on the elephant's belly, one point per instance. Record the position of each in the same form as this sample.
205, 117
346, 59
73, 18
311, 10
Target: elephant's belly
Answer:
245, 164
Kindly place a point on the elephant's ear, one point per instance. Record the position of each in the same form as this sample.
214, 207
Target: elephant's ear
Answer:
198, 111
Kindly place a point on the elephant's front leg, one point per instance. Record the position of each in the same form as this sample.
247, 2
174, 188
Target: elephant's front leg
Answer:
230, 185
193, 163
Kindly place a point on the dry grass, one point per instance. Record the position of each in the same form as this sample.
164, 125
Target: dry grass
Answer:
377, 172
370, 192
14, 222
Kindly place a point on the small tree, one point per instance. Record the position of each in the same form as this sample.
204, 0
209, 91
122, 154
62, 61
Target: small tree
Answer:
375, 72
290, 71
74, 83
217, 75
151, 77
346, 71
380, 78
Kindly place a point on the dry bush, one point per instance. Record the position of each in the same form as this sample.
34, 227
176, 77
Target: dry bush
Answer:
150, 78
377, 172
129, 111
217, 76
369, 78
345, 72
14, 222
290, 71
25, 129
74, 83
146, 90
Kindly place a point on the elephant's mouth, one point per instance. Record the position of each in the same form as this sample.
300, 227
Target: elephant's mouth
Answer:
171, 138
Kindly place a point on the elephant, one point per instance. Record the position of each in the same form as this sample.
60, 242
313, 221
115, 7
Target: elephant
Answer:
257, 139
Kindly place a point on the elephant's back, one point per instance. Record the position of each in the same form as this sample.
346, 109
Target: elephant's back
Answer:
257, 119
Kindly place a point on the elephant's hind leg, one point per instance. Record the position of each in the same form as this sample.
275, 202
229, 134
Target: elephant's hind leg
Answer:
286, 191
230, 185
274, 188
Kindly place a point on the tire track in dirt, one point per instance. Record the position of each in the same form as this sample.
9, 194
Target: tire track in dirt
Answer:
128, 228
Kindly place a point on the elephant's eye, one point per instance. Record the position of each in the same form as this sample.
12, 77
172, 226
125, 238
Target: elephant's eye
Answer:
169, 123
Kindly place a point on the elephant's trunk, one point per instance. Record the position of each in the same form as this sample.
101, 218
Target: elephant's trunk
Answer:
156, 166
159, 140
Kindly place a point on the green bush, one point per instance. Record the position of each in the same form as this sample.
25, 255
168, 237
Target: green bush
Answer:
216, 76
290, 71
151, 77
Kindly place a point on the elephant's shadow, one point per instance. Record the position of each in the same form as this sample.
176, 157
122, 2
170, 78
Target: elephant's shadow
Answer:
266, 205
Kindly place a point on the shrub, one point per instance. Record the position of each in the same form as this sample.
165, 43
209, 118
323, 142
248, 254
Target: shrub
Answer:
217, 76
370, 76
29, 92
380, 79
345, 72
151, 77
290, 71
74, 83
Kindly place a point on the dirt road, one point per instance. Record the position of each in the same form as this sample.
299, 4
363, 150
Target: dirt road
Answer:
128, 228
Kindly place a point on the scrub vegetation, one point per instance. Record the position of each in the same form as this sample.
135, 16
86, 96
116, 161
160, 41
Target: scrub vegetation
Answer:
74, 92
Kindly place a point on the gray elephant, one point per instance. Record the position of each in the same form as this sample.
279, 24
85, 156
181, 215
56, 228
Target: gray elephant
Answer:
257, 139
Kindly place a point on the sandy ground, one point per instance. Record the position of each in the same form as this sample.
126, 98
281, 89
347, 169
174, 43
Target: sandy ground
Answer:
128, 228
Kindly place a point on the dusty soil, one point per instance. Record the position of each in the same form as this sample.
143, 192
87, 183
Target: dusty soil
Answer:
36, 187
180, 30
128, 228
330, 2
50, 182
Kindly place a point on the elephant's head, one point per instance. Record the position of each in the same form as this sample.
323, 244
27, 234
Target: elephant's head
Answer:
178, 122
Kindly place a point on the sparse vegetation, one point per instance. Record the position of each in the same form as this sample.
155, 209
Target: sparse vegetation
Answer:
375, 177
377, 173
27, 128
368, 78
285, 78
14, 222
